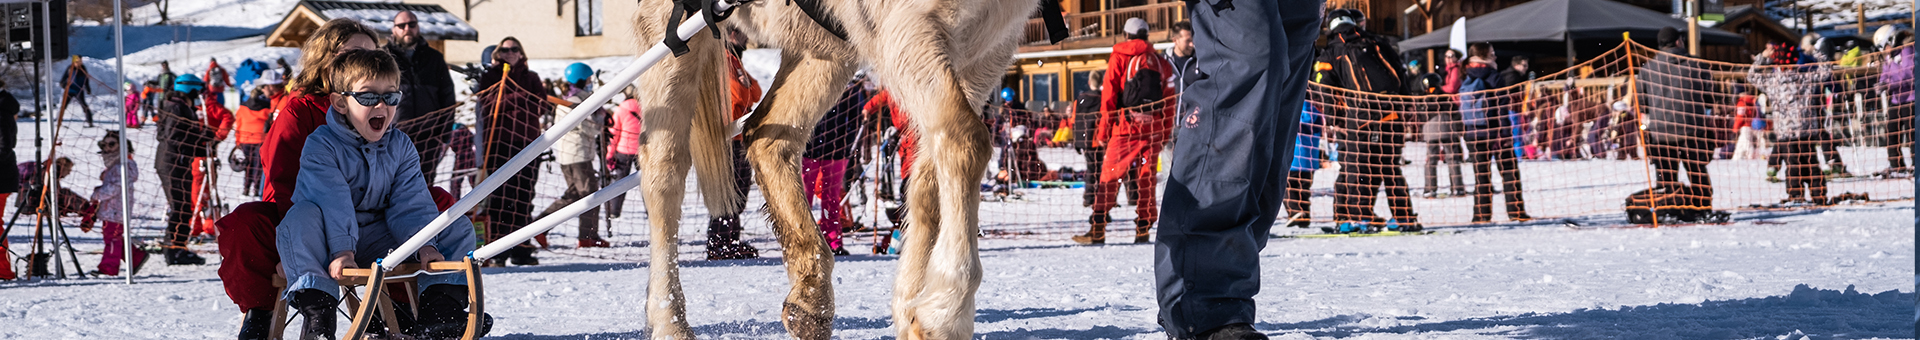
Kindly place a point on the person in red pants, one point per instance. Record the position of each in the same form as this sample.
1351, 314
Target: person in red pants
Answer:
221, 120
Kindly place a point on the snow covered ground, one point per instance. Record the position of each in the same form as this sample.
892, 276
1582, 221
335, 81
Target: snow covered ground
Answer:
1842, 273
1845, 272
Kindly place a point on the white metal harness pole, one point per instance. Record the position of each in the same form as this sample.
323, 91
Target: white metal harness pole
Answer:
541, 226
694, 23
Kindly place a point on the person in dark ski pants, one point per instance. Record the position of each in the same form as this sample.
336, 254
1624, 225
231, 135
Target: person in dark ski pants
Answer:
1674, 94
77, 84
182, 138
521, 99
1489, 139
1371, 135
1229, 173
1791, 84
1086, 119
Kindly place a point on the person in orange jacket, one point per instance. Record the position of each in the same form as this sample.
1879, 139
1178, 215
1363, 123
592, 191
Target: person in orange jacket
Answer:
250, 129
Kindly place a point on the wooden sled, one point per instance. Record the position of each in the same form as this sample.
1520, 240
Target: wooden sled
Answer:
362, 312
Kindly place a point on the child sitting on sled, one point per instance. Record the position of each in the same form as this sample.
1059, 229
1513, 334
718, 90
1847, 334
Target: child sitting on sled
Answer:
360, 194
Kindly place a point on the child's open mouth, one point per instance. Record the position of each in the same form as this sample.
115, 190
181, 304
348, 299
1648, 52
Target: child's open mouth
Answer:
377, 123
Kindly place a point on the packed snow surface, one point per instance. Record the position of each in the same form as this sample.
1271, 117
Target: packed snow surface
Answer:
1845, 272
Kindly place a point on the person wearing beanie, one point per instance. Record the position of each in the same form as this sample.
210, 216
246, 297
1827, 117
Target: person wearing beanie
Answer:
1674, 91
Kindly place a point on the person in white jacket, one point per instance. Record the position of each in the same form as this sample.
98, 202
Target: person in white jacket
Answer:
107, 202
575, 151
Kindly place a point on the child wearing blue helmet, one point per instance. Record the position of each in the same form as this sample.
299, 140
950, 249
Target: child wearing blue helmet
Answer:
183, 136
576, 152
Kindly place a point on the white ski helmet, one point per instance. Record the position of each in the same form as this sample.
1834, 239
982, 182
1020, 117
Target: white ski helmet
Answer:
1886, 37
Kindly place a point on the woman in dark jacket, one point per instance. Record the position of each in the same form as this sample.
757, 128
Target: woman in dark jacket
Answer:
1489, 139
510, 107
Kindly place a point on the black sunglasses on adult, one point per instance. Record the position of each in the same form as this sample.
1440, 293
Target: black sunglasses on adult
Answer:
509, 50
369, 99
407, 25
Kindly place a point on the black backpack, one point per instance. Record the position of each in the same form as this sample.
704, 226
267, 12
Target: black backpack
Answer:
1146, 86
1365, 64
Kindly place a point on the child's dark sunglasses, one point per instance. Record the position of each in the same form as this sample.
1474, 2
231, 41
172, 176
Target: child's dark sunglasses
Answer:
369, 99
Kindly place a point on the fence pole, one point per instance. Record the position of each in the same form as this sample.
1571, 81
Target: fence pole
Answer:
120, 67
1640, 131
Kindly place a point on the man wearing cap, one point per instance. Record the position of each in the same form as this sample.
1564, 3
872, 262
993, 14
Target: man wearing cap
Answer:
429, 88
1134, 125
1229, 172
1674, 93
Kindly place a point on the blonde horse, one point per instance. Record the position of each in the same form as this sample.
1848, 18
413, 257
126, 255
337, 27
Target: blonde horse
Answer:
940, 59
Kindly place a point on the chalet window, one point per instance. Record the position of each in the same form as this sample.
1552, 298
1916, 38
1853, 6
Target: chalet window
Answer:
1082, 82
586, 18
1043, 87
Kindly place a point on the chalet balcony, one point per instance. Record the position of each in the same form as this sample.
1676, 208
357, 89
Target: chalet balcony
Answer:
1102, 28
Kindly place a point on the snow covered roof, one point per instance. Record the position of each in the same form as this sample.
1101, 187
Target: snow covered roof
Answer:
435, 22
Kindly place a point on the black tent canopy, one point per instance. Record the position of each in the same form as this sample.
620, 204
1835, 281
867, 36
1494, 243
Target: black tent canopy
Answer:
1541, 21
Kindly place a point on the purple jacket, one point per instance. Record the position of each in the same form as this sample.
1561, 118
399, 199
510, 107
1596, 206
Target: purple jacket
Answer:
1896, 74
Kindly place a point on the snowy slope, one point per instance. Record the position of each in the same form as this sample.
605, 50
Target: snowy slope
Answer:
237, 13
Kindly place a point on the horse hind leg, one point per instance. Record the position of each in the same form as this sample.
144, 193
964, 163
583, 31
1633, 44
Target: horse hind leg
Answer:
805, 88
956, 144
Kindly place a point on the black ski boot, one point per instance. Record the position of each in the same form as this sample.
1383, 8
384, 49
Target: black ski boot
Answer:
522, 256
177, 257
257, 324
723, 240
1238, 331
443, 314
317, 310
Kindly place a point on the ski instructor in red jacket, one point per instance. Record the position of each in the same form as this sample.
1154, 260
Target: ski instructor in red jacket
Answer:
1132, 133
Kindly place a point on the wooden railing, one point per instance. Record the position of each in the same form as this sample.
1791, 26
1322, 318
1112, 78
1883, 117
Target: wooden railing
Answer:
1104, 24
